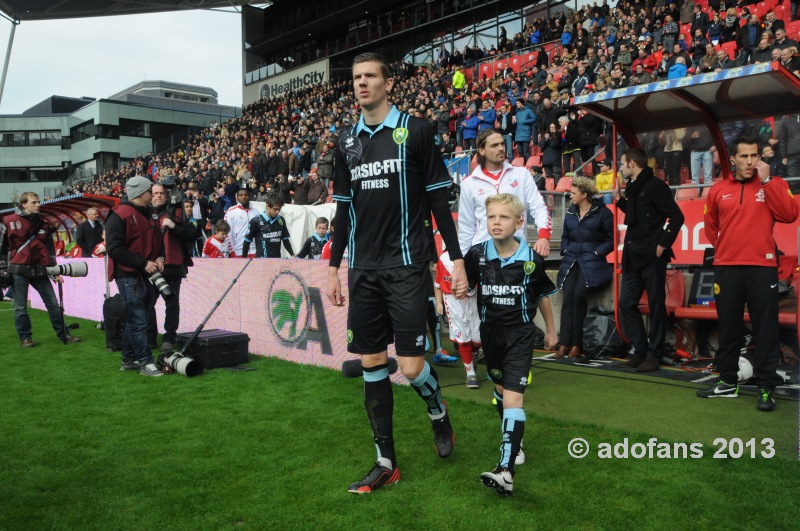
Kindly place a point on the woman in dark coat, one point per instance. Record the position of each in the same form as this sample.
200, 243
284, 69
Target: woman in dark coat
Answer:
587, 238
551, 152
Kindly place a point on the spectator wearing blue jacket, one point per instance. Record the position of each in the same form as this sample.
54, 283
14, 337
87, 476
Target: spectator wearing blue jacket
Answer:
525, 120
566, 40
678, 70
536, 36
470, 126
487, 116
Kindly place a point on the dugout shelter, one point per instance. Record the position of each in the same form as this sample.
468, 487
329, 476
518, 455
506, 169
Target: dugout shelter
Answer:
705, 100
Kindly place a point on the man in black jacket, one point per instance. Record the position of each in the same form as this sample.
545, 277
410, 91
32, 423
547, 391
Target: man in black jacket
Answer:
89, 233
648, 204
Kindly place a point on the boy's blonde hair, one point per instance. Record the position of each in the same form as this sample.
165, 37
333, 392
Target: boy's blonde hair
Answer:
510, 200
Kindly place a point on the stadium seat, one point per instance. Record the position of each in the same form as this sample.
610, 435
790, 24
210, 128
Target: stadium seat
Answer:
730, 48
781, 13
685, 194
519, 161
793, 29
533, 160
536, 150
564, 184
549, 184
661, 174
686, 177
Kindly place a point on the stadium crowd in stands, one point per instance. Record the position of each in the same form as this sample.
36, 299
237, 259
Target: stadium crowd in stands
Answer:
601, 47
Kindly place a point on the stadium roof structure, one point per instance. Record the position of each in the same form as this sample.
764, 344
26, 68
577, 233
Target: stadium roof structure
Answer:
66, 211
26, 10
742, 93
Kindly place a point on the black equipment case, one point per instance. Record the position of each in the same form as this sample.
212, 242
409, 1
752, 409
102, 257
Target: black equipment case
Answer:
216, 348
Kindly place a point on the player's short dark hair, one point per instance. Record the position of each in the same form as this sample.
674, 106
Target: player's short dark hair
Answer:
321, 220
481, 141
222, 226
372, 57
743, 139
637, 156
274, 200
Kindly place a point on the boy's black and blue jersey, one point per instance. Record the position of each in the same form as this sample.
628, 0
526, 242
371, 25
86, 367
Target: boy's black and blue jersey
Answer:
384, 174
268, 234
508, 288
312, 249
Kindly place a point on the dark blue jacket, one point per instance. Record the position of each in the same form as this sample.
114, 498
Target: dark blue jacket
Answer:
587, 242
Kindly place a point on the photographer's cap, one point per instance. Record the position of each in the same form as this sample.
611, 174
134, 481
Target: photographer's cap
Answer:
137, 186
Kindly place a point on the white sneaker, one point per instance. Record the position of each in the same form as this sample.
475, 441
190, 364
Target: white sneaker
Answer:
150, 370
500, 480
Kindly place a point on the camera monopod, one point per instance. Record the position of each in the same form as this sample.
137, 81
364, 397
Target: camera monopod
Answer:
188, 366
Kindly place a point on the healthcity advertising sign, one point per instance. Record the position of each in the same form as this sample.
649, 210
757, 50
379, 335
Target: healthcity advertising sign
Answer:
297, 79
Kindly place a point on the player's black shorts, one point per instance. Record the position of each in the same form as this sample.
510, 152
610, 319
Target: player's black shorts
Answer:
508, 351
388, 306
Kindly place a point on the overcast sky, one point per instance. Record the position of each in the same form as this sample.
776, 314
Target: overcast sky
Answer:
99, 57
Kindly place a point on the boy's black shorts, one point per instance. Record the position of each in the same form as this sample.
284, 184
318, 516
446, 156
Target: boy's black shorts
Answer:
509, 352
388, 306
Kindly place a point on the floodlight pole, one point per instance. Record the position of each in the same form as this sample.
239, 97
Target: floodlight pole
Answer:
14, 24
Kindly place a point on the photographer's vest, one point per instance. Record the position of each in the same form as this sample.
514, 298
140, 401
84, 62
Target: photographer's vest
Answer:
174, 247
142, 237
39, 252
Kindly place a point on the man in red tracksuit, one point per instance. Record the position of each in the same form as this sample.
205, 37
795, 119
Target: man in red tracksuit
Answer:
740, 213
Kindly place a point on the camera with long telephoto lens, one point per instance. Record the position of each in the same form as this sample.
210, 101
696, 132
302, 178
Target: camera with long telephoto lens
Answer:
160, 283
71, 269
177, 363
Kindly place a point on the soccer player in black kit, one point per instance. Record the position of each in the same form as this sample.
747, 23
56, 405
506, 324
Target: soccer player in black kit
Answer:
389, 177
268, 231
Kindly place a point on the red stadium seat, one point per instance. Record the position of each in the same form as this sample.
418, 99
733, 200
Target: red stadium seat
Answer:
661, 174
549, 184
533, 160
564, 184
685, 175
519, 161
684, 194
730, 48
793, 29
781, 13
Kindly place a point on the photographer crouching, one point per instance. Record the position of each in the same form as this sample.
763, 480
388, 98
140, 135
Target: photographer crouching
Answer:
31, 250
178, 238
135, 249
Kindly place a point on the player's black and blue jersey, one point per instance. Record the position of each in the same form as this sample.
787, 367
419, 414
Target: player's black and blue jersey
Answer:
384, 173
508, 288
268, 234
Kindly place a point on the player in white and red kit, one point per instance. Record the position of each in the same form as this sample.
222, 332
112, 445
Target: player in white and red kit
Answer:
462, 315
219, 245
238, 217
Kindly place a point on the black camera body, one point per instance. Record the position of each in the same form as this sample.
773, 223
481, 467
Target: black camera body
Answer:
176, 197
